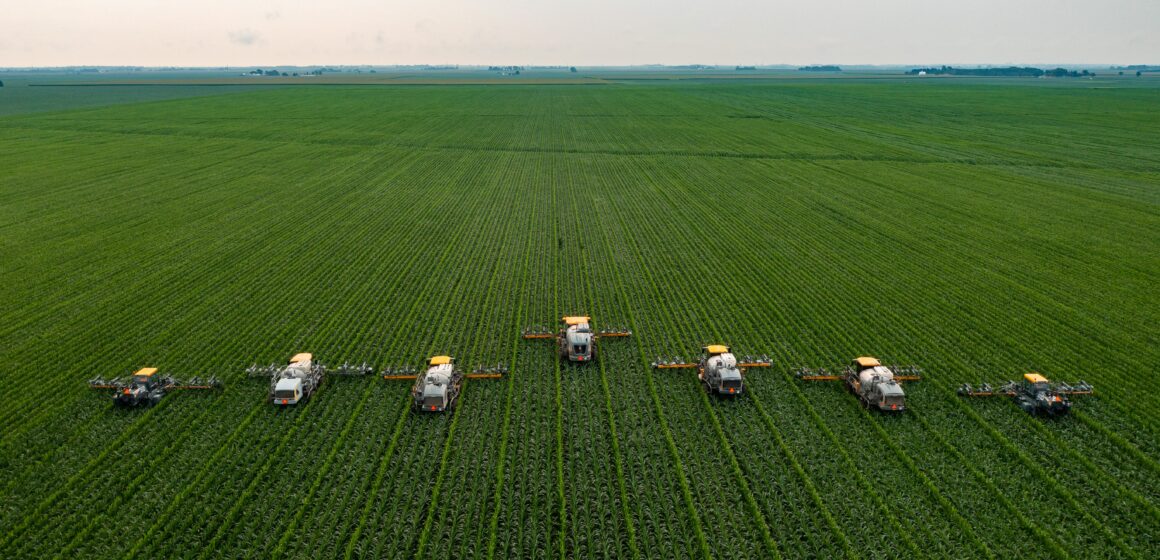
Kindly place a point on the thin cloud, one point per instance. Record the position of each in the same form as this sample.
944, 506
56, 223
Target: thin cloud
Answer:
245, 37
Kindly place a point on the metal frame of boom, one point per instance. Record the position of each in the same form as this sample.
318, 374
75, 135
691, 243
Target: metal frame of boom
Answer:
678, 362
413, 374
901, 373
1011, 389
480, 372
163, 384
318, 373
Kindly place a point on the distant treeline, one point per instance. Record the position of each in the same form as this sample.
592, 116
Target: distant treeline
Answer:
825, 68
1010, 71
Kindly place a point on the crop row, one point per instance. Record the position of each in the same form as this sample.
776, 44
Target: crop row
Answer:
444, 222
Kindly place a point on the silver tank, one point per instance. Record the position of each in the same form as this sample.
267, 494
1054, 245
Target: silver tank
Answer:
880, 389
436, 382
867, 375
298, 370
721, 360
722, 374
579, 334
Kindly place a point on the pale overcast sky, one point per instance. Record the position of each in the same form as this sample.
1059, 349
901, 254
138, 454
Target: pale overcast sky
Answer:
571, 32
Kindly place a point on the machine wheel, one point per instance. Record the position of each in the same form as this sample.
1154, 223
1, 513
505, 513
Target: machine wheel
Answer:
1026, 405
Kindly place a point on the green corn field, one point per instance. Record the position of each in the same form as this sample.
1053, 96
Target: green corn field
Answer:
977, 229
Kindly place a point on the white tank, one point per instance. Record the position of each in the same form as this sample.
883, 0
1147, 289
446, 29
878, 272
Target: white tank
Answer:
867, 375
721, 360
441, 368
298, 369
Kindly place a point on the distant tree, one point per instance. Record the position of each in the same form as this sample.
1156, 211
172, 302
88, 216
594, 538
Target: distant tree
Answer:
1121, 72
1, 83
517, 72
1138, 74
257, 72
272, 73
1010, 71
1063, 73
572, 69
285, 74
295, 74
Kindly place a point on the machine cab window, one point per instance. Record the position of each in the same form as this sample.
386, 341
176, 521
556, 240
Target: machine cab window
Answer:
1037, 382
143, 375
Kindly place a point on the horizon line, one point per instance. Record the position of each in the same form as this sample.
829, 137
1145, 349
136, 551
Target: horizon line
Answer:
449, 65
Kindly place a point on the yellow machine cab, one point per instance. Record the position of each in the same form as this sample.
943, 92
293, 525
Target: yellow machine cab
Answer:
440, 360
867, 361
716, 349
575, 320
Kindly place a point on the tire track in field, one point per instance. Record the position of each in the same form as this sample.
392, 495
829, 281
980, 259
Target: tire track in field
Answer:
441, 324
761, 524
506, 227
751, 501
595, 497
606, 310
279, 549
